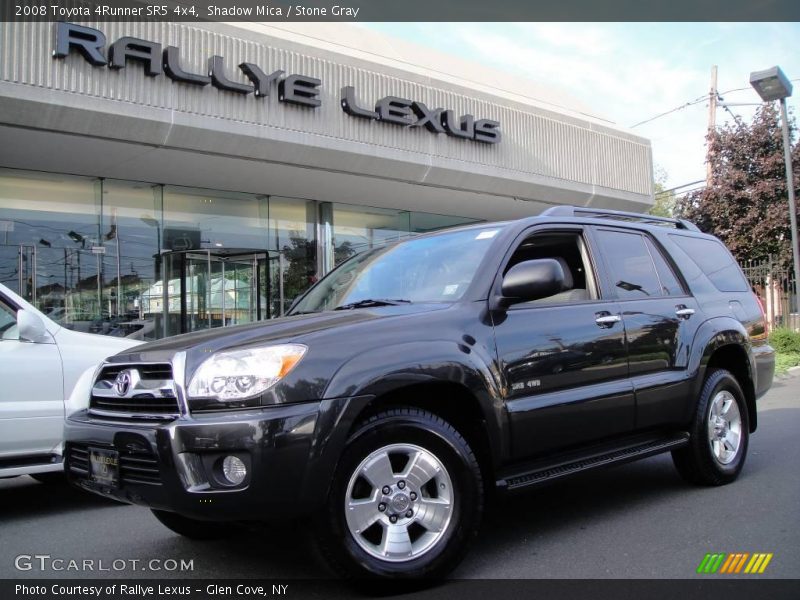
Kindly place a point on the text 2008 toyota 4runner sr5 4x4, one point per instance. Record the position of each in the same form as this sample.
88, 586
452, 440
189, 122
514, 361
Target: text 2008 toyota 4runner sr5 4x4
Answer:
419, 376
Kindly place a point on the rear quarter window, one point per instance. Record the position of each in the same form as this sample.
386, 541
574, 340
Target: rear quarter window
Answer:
715, 261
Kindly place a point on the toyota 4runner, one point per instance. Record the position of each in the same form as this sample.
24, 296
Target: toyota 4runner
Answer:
418, 377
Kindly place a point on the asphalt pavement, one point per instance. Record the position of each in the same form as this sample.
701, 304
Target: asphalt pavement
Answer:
635, 521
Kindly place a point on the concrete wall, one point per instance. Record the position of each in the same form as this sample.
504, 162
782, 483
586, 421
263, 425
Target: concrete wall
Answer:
545, 157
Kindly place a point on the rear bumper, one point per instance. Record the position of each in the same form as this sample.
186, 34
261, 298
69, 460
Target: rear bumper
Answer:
764, 358
290, 452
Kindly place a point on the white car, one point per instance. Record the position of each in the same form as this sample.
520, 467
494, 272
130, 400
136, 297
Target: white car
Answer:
40, 363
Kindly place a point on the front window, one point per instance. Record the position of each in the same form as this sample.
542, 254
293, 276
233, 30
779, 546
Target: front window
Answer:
8, 322
436, 268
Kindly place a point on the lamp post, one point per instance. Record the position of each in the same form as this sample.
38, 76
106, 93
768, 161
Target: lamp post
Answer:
772, 84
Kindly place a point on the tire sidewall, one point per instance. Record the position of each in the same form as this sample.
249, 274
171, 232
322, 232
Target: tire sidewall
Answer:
455, 455
722, 381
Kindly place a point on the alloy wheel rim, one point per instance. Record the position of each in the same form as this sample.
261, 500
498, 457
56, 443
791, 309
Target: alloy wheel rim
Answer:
724, 427
399, 502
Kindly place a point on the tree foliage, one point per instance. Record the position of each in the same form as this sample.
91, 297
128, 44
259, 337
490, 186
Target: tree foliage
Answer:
746, 203
664, 205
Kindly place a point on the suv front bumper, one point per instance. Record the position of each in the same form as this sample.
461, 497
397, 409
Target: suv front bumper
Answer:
290, 452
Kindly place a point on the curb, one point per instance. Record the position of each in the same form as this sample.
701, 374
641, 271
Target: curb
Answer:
791, 373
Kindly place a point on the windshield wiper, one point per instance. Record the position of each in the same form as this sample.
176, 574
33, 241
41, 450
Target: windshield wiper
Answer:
368, 302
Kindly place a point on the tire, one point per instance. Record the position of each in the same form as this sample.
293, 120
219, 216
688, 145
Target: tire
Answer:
426, 477
713, 456
195, 529
52, 478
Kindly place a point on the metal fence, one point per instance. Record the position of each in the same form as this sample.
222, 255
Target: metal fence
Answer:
777, 290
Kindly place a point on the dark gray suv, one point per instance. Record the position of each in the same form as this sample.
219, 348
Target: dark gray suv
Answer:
419, 377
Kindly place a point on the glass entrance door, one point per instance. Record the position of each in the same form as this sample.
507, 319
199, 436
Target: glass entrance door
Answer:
213, 288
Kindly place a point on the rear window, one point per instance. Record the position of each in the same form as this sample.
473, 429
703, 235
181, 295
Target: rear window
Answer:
715, 261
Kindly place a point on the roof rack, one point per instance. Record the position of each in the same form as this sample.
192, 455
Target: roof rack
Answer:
602, 213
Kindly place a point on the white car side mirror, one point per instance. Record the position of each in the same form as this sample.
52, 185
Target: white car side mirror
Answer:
31, 328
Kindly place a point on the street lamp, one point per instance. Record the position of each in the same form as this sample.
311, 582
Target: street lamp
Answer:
772, 84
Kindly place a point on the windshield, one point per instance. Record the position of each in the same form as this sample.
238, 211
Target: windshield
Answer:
427, 269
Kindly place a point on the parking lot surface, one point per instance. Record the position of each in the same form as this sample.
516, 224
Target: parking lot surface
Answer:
636, 521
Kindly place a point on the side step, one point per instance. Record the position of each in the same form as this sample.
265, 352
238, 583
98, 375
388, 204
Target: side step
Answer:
557, 468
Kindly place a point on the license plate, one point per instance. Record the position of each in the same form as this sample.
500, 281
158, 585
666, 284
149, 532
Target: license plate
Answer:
104, 466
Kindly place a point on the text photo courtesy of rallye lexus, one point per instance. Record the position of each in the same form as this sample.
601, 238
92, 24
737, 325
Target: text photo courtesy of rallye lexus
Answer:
419, 377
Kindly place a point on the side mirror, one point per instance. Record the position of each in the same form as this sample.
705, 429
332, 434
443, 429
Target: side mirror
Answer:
531, 280
31, 328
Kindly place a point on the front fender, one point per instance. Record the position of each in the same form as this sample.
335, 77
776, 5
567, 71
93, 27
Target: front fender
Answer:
379, 371
376, 372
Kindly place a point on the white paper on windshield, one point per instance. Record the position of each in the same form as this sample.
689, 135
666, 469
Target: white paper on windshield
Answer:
483, 235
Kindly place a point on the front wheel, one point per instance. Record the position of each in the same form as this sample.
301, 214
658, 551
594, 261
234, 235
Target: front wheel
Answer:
719, 434
405, 501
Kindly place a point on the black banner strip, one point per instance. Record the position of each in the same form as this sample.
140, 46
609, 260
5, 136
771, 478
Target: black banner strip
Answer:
401, 10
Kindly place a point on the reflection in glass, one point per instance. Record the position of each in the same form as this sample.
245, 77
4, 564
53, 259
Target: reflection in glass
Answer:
94, 254
436, 268
48, 227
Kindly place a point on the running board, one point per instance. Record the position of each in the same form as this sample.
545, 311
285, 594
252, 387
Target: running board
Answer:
558, 468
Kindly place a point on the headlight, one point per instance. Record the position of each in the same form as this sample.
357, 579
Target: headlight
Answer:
240, 374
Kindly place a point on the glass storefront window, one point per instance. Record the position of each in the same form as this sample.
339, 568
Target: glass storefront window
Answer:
48, 227
206, 234
293, 237
144, 261
131, 234
360, 228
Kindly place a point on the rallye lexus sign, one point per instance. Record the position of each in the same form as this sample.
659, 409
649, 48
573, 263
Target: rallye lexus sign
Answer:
294, 89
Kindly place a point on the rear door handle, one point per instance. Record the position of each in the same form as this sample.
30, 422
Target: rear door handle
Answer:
683, 312
607, 320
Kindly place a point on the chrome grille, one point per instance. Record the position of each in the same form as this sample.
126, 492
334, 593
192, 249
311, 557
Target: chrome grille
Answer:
146, 392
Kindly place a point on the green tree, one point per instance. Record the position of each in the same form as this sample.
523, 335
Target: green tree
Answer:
746, 204
664, 205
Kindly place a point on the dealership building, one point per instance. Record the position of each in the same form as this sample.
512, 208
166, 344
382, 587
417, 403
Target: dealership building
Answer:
158, 178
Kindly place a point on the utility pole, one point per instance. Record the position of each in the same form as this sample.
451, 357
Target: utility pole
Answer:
787, 155
712, 121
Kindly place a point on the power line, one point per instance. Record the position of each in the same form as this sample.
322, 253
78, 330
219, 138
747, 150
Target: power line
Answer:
697, 100
677, 187
683, 192
731, 113
702, 98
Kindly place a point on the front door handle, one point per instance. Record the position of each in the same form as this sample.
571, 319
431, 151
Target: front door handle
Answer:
607, 320
683, 312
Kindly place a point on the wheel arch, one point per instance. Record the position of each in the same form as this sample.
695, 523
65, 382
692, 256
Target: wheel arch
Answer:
724, 344
453, 402
452, 381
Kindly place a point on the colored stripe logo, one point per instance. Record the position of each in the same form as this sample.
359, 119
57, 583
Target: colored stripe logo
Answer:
734, 563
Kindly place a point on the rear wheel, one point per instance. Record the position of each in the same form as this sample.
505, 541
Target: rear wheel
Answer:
405, 501
719, 434
195, 529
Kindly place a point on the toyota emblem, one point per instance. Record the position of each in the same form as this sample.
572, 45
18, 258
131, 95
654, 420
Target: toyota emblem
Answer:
125, 380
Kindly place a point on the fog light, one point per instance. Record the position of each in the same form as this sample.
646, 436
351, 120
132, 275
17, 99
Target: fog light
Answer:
234, 470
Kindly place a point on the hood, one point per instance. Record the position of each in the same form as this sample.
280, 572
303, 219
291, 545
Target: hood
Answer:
103, 343
294, 328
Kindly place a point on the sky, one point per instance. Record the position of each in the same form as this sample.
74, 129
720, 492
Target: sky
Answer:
631, 72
